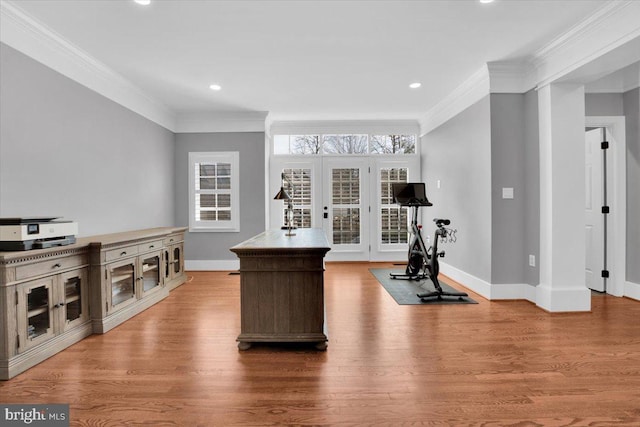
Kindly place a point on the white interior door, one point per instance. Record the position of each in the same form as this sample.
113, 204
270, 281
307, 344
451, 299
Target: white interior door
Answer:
345, 207
594, 221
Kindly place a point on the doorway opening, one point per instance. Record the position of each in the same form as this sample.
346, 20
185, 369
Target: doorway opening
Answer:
605, 205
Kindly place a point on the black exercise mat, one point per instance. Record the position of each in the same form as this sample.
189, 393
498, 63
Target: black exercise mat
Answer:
404, 291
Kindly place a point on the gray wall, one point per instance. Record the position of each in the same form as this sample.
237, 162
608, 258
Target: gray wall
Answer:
507, 160
458, 153
632, 120
67, 151
514, 164
250, 145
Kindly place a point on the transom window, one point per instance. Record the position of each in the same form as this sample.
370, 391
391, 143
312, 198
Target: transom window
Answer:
338, 144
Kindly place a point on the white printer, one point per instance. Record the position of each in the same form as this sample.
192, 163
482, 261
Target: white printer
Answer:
23, 234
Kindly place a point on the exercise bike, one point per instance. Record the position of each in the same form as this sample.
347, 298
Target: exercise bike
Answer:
422, 262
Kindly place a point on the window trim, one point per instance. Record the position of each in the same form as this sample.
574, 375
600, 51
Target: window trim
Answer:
232, 157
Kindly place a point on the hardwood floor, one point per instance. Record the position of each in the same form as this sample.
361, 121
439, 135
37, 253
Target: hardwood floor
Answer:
500, 363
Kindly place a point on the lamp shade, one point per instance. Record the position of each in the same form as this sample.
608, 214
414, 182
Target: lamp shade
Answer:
282, 195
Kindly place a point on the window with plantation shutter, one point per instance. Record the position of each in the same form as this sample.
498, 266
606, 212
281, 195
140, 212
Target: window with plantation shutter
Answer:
214, 191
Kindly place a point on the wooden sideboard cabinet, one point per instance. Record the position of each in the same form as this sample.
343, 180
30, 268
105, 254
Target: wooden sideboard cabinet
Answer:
129, 273
44, 304
53, 298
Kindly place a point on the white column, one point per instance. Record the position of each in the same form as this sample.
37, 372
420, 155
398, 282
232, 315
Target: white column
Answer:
562, 199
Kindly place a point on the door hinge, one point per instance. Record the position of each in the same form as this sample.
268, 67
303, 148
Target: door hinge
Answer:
605, 274
604, 145
369, 209
605, 209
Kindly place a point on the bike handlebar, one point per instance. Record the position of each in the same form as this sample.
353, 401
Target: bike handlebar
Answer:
441, 221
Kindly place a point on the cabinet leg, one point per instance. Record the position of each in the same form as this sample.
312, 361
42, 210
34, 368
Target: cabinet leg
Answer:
244, 345
322, 345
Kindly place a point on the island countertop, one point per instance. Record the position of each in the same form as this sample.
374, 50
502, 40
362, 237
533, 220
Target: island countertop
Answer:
305, 238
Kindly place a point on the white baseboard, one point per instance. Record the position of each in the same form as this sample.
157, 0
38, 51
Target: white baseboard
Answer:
212, 265
632, 290
477, 285
513, 291
489, 290
557, 300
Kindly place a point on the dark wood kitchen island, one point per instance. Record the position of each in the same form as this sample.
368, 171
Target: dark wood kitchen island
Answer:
282, 287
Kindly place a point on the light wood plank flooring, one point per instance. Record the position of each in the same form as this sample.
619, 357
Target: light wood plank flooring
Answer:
500, 363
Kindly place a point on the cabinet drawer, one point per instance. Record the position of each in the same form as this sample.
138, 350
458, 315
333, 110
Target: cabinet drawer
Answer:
125, 252
173, 238
50, 266
156, 245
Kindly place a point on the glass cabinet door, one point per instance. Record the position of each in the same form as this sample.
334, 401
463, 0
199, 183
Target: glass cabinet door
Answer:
74, 298
35, 314
167, 266
151, 277
123, 280
177, 261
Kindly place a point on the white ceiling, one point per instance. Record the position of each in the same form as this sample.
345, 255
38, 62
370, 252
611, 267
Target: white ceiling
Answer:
305, 59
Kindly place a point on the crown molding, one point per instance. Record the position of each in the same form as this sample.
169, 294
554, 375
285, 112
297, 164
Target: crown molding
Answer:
612, 30
612, 26
511, 76
25, 34
221, 122
577, 32
472, 90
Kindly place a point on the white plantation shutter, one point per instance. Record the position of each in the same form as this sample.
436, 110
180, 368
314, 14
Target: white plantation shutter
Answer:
214, 191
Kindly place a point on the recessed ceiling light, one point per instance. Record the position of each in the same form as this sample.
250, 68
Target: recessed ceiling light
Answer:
415, 85
143, 2
486, 1
215, 87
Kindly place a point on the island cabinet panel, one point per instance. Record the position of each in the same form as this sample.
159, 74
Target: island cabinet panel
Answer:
282, 288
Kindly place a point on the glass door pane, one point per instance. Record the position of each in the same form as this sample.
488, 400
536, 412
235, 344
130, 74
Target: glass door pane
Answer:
150, 273
302, 180
36, 319
38, 311
122, 284
73, 298
390, 234
345, 201
346, 208
297, 183
394, 218
177, 261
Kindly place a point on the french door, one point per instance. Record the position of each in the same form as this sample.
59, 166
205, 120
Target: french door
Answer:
345, 207
350, 198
